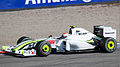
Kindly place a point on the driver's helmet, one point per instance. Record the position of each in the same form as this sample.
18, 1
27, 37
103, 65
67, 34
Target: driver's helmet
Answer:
64, 35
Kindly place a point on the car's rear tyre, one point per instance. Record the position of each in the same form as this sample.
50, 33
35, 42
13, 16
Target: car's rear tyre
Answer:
24, 38
43, 48
108, 45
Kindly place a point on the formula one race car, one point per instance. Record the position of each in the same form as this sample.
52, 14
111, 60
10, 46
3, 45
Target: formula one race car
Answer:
77, 39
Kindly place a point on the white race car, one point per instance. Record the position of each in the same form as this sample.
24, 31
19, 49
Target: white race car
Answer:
103, 39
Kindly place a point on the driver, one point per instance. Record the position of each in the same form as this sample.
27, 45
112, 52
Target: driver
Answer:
64, 35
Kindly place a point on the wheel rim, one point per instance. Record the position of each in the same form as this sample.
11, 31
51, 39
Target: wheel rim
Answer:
45, 48
111, 45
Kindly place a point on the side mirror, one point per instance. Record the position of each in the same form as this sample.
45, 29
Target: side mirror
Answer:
50, 36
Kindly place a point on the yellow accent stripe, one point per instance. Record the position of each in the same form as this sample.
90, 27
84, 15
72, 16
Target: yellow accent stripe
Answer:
90, 41
19, 47
4, 47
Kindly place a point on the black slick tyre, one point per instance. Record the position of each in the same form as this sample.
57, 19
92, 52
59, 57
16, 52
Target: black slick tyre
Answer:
43, 48
24, 38
108, 45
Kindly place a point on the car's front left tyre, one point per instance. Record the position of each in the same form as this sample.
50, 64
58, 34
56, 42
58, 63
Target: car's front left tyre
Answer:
43, 48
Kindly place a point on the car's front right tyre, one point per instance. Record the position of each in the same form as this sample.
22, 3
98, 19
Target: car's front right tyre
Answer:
23, 38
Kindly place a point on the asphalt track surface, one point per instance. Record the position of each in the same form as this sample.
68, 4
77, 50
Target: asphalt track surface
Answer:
79, 59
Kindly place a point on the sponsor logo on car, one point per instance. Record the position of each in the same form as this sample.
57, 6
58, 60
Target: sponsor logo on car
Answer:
51, 41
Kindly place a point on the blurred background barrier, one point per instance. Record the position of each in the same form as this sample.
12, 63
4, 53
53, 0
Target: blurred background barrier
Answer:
17, 4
